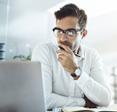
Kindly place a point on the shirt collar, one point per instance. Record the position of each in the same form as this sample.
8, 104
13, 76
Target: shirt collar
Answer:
79, 52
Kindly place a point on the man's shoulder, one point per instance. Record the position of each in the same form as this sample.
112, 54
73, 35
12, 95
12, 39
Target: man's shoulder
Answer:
89, 50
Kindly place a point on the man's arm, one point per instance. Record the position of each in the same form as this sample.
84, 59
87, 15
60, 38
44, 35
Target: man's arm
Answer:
56, 100
94, 86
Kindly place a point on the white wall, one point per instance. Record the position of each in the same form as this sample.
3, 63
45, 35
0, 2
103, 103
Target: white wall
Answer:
29, 29
27, 25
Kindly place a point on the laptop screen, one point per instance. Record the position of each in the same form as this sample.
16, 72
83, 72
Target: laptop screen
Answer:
21, 87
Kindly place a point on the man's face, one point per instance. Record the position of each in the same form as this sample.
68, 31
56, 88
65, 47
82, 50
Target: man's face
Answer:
67, 24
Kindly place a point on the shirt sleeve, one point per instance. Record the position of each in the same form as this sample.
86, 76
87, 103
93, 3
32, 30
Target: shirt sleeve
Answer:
94, 85
52, 99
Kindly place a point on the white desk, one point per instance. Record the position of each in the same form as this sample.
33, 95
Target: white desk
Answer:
111, 107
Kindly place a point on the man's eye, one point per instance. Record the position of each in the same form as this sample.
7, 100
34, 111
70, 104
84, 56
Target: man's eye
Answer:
71, 33
59, 32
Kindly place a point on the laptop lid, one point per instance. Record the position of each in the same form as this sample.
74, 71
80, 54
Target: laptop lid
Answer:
21, 87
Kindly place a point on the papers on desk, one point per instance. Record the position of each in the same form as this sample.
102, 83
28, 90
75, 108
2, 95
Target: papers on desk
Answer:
82, 109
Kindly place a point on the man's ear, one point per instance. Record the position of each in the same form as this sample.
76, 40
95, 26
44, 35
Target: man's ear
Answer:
84, 33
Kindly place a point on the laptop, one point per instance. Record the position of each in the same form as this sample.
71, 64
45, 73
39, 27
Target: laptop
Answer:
21, 87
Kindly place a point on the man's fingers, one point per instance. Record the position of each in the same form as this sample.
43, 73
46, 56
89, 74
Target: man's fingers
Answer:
66, 48
63, 53
66, 53
60, 58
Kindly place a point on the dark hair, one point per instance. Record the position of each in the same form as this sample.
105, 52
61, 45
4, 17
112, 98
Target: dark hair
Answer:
72, 10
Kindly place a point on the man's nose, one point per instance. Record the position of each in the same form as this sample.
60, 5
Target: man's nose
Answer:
63, 37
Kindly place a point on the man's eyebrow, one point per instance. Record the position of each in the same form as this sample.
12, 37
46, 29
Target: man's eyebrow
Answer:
71, 29
57, 28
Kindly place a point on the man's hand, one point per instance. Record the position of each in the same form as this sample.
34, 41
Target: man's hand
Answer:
66, 59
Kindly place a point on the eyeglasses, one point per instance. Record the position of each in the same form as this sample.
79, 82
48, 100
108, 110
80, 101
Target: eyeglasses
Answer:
71, 32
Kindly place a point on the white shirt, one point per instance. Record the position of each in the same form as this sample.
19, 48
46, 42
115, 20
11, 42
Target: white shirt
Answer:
61, 89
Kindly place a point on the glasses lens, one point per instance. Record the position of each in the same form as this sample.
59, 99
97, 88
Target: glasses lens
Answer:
71, 33
58, 32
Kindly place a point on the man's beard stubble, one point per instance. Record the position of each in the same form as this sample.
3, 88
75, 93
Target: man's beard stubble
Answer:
72, 46
66, 43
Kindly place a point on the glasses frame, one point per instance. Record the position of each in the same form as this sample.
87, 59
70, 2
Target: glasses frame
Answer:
65, 31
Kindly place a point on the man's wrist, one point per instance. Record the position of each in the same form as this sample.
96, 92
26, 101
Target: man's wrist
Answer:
75, 77
76, 74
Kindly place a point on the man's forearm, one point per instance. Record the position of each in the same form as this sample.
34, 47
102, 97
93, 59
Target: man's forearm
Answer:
56, 100
97, 92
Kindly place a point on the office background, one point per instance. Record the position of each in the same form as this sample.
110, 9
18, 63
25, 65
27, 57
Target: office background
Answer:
25, 23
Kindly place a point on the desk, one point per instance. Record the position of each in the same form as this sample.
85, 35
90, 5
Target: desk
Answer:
111, 107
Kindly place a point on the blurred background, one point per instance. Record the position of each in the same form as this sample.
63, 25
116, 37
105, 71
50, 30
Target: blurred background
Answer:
26, 23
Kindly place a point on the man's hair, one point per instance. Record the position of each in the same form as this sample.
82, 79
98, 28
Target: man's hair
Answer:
72, 10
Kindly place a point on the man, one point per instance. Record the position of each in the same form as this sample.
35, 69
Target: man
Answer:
72, 73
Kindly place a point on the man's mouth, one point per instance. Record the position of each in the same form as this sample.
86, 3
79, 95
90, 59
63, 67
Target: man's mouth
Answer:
66, 44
